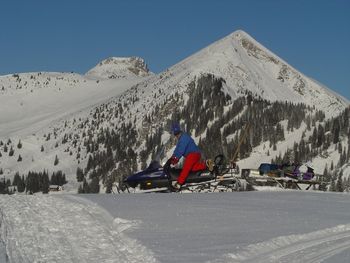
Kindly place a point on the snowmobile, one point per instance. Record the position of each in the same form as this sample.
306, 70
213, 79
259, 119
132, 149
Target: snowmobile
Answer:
272, 170
295, 172
287, 170
156, 178
284, 176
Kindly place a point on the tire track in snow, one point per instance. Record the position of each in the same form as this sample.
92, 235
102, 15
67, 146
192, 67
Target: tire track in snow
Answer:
311, 247
54, 229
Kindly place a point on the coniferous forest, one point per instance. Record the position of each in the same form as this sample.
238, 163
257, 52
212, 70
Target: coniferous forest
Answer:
208, 112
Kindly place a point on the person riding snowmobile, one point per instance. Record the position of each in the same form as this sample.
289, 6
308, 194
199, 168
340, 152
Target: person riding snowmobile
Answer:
187, 148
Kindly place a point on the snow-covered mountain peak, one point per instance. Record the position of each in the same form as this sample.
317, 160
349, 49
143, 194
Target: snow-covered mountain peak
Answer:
120, 67
246, 65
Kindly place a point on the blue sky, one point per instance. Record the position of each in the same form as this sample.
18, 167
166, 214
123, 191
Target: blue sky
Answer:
41, 35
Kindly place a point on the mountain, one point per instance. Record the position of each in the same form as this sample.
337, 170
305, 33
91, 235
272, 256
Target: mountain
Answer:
31, 101
119, 68
124, 115
245, 64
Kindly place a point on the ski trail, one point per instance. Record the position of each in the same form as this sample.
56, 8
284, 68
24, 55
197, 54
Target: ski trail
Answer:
56, 229
311, 247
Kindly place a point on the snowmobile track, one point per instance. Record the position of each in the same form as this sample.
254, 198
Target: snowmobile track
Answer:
312, 247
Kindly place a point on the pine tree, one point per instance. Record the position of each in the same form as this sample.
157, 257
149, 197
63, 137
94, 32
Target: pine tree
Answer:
11, 152
325, 172
339, 185
45, 184
332, 187
19, 158
94, 185
80, 189
16, 179
86, 188
56, 161
80, 174
19, 145
21, 186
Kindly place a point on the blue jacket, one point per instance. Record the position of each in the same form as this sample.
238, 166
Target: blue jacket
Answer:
185, 145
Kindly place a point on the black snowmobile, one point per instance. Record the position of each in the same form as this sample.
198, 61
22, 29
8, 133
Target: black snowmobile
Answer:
156, 178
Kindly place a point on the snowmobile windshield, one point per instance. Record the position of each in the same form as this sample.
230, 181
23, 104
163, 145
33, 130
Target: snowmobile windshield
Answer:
154, 165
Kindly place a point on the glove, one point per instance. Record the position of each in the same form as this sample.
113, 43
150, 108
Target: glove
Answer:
176, 186
174, 160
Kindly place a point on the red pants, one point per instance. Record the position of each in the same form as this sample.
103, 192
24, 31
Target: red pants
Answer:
192, 163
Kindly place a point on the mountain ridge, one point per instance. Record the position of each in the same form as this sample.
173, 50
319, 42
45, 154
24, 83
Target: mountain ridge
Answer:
123, 122
120, 67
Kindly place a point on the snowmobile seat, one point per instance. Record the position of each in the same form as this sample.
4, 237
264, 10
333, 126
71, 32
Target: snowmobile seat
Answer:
193, 177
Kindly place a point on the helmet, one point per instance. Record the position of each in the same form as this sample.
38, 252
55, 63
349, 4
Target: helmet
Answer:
175, 128
309, 164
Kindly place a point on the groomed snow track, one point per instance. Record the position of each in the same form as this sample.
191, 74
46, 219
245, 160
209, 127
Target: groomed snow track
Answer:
311, 247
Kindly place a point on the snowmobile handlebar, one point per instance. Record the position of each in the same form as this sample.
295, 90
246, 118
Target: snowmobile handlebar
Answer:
166, 166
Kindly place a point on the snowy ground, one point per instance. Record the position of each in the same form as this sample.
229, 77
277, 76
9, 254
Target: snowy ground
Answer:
285, 226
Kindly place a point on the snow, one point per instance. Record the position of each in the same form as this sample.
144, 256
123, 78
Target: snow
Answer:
252, 68
270, 226
33, 105
37, 103
54, 229
119, 67
31, 109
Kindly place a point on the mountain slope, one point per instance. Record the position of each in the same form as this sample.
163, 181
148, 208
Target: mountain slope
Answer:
213, 93
245, 64
32, 101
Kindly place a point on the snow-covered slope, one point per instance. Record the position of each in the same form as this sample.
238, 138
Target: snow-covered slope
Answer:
245, 64
73, 116
290, 226
29, 102
50, 229
119, 68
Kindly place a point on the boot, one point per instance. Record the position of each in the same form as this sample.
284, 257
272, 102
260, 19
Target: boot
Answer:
210, 164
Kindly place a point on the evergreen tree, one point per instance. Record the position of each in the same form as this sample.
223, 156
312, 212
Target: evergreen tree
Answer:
109, 183
21, 185
19, 145
86, 188
56, 161
80, 189
339, 186
45, 185
336, 131
11, 152
16, 179
94, 185
332, 186
80, 174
